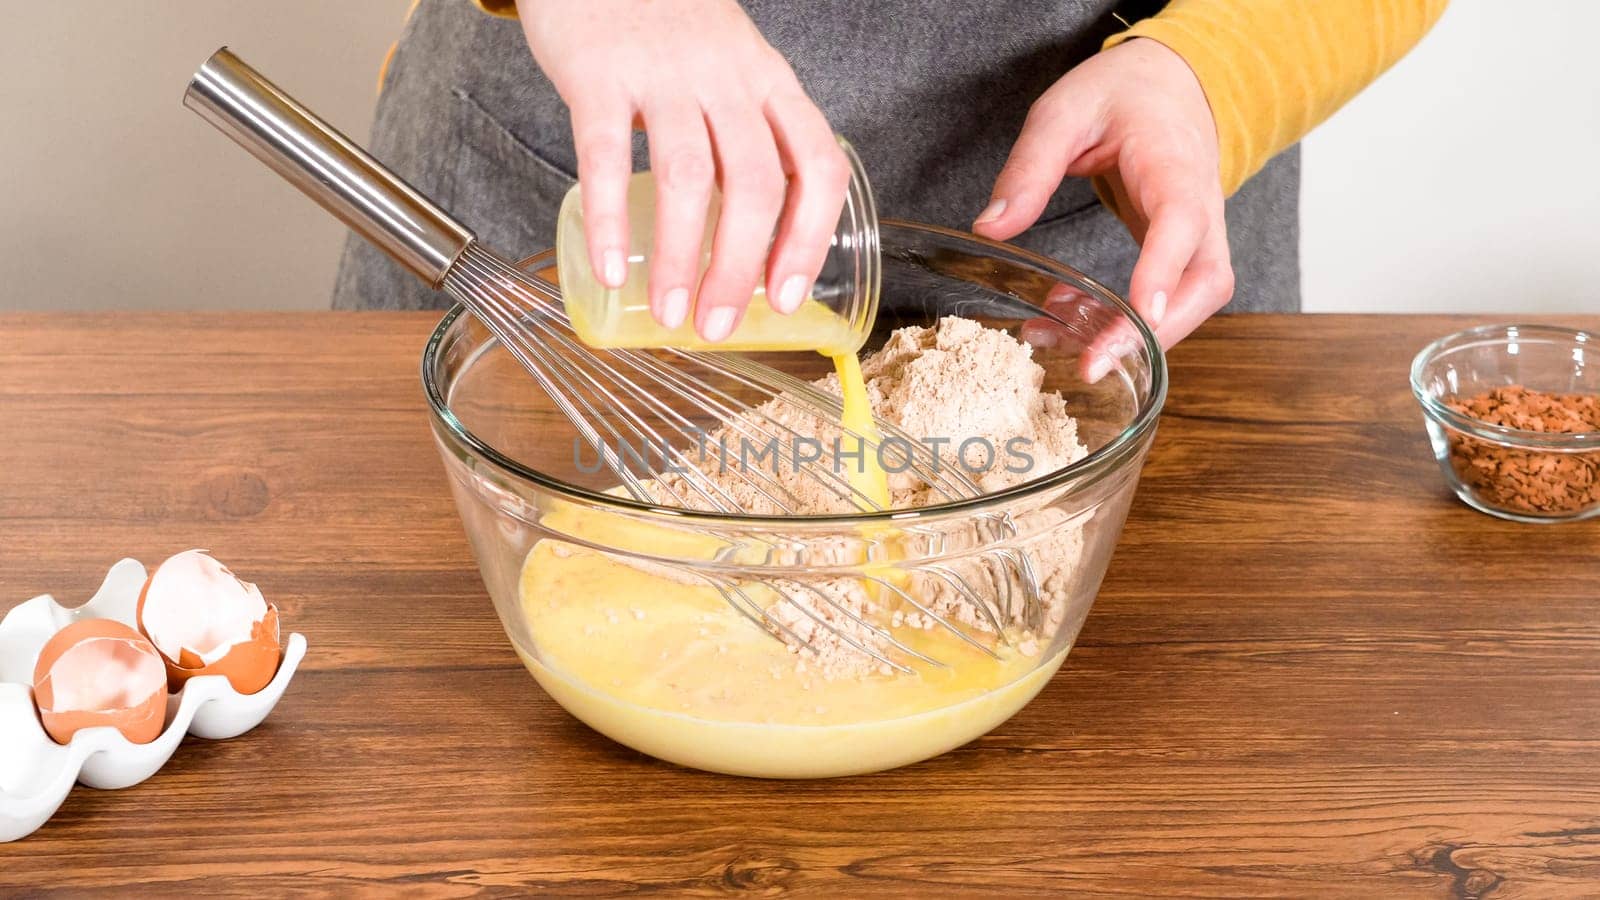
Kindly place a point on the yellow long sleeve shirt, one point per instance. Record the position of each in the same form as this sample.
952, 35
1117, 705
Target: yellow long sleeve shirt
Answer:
1272, 70
1275, 69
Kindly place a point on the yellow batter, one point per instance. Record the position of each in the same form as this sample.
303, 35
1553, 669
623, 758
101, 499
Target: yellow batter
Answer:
672, 670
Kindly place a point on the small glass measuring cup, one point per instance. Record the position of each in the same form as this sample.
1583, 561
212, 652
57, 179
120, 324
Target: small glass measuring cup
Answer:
835, 319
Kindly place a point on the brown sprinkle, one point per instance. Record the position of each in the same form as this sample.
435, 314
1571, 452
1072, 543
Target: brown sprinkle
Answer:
1529, 481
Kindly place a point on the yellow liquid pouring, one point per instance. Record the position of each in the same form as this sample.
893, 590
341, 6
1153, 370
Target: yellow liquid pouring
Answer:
869, 477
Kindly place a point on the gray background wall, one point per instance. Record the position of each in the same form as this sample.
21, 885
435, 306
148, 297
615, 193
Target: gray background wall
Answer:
114, 195
1463, 180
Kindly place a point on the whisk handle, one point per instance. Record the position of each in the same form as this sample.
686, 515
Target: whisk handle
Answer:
314, 157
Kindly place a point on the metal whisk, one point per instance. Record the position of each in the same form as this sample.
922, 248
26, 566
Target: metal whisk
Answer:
619, 398
622, 398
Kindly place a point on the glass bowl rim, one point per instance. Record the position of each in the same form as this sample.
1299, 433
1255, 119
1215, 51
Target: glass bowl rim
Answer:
1520, 438
1094, 467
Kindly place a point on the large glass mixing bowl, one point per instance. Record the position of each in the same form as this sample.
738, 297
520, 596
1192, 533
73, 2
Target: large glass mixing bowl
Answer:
519, 479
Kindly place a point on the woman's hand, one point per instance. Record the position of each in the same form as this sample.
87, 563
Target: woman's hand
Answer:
1136, 115
718, 105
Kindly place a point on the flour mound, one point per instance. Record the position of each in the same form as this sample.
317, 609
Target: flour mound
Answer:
964, 382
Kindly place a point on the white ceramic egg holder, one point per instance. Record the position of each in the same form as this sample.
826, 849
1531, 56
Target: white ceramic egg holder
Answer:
36, 773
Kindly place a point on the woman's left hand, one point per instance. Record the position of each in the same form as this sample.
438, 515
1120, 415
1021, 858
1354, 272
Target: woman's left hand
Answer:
1136, 115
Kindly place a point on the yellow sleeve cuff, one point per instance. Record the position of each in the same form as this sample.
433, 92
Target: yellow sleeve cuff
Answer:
504, 8
1274, 69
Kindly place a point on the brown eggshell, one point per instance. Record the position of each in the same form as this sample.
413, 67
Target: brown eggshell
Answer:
140, 723
249, 666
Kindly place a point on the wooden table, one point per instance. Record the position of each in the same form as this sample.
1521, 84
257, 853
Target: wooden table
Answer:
1310, 672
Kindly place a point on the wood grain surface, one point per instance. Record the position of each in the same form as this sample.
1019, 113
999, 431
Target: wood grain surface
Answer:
1310, 673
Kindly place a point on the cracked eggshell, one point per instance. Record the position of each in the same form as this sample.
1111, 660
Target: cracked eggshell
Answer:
204, 620
100, 672
36, 773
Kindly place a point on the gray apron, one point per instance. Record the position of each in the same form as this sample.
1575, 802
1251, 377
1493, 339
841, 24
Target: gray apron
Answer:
931, 94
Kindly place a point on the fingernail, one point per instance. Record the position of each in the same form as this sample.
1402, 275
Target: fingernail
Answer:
616, 268
1039, 334
1158, 307
792, 294
719, 323
992, 212
675, 307
1098, 367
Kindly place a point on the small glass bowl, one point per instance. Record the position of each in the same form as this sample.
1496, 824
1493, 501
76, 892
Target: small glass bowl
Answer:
1516, 474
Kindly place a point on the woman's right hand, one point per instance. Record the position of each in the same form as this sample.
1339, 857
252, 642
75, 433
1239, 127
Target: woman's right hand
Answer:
719, 106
